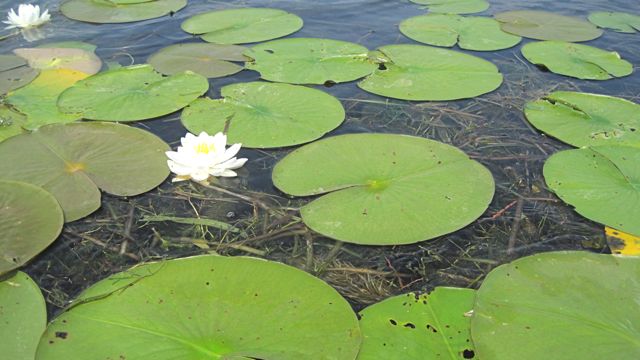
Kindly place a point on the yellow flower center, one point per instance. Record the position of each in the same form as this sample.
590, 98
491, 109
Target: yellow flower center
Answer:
204, 148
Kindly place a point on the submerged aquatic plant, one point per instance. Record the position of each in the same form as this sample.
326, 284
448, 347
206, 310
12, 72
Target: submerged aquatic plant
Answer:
28, 16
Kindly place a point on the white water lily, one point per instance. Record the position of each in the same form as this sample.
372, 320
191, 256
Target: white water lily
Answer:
202, 156
28, 16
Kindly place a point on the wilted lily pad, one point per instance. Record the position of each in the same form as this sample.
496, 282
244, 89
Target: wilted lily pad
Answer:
417, 327
11, 123
454, 6
241, 26
212, 307
617, 21
72, 161
61, 58
383, 189
310, 61
30, 220
266, 115
576, 60
570, 305
119, 11
208, 60
621, 243
14, 73
471, 32
406, 75
583, 119
132, 93
543, 25
601, 182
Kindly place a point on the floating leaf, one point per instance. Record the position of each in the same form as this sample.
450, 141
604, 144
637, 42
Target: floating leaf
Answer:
568, 305
119, 11
208, 60
266, 115
11, 123
406, 75
132, 93
72, 161
14, 73
454, 6
622, 243
9, 62
617, 21
310, 61
70, 45
575, 60
384, 189
241, 26
412, 327
212, 307
61, 58
544, 25
601, 182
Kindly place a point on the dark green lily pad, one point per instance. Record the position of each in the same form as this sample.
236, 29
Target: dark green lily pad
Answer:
11, 123
454, 6
384, 189
14, 73
564, 305
212, 307
61, 58
543, 25
208, 60
241, 26
576, 60
583, 119
616, 21
108, 11
72, 161
266, 115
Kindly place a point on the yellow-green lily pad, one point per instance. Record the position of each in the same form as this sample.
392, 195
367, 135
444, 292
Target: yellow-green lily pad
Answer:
544, 25
119, 11
61, 58
617, 21
454, 6
208, 60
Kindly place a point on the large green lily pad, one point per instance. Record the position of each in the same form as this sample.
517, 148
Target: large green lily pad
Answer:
266, 115
241, 26
583, 119
544, 25
14, 73
601, 182
109, 11
454, 6
310, 61
61, 58
617, 21
576, 60
417, 327
70, 44
406, 75
30, 220
206, 307
23, 317
384, 189
471, 32
132, 93
208, 60
567, 305
72, 161
11, 122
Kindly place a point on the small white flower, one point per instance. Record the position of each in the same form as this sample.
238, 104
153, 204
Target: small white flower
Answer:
202, 156
28, 16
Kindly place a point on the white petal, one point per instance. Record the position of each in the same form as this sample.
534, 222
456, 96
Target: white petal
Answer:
219, 142
188, 139
228, 173
230, 152
179, 169
200, 175
234, 163
180, 178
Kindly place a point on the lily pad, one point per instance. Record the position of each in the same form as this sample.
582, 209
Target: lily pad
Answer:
406, 75
454, 6
208, 60
471, 33
241, 26
118, 11
11, 123
266, 115
8, 62
544, 25
132, 93
71, 44
601, 182
569, 305
310, 61
583, 119
61, 58
30, 220
14, 73
617, 21
23, 316
212, 307
417, 327
575, 60
72, 161
384, 189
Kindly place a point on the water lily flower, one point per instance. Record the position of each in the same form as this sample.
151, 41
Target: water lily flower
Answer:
28, 16
202, 156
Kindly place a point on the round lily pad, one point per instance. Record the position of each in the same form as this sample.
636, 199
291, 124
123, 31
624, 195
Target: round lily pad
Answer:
454, 6
132, 93
575, 60
568, 305
72, 161
544, 25
617, 21
11, 122
241, 26
417, 327
471, 33
23, 316
211, 307
8, 62
266, 115
310, 61
61, 58
384, 189
208, 60
406, 75
118, 11
14, 73
601, 182
583, 119
71, 44
30, 220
